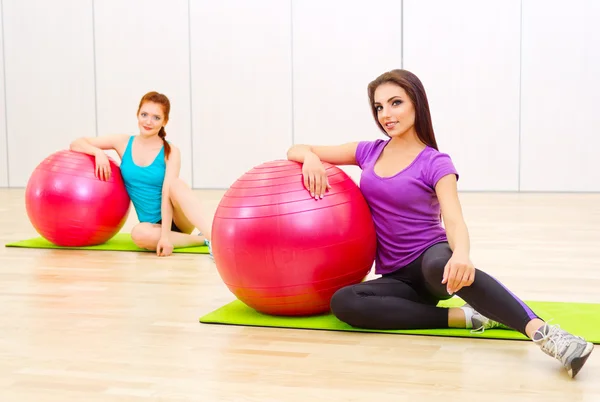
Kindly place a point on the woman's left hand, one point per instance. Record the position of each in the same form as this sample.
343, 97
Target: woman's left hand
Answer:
459, 272
164, 247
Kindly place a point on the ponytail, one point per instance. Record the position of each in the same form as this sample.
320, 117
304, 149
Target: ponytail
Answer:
162, 134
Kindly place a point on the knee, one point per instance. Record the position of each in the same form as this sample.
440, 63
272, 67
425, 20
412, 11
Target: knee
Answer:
434, 262
346, 306
144, 235
433, 269
433, 273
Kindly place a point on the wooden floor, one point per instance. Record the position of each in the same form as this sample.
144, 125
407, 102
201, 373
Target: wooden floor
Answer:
117, 326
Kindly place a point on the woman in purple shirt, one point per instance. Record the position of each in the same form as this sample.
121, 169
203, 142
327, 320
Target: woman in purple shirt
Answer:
410, 186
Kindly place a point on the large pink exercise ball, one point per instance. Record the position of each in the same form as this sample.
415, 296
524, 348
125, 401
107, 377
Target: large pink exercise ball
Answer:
280, 251
68, 206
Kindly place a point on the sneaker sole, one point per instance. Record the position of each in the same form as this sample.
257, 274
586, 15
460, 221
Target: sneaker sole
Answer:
578, 362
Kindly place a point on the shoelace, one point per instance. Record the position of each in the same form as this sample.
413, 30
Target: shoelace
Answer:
210, 254
554, 342
489, 324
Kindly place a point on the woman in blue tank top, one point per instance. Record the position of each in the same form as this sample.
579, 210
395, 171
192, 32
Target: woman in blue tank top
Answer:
166, 207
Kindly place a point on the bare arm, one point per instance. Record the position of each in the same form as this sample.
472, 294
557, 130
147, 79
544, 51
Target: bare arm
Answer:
459, 271
171, 173
311, 156
95, 145
456, 228
344, 154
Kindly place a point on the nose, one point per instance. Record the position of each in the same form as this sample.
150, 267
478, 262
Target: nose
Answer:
384, 112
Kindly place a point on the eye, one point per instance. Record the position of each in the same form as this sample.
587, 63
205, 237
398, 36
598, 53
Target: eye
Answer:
397, 102
144, 114
378, 108
156, 118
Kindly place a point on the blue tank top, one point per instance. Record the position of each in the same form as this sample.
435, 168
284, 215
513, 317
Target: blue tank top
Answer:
144, 184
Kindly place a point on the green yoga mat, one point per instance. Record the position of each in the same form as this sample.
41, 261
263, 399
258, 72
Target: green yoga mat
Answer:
120, 242
581, 319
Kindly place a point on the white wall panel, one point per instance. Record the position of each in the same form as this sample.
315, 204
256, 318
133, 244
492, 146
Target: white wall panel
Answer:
143, 46
3, 150
466, 53
560, 96
338, 48
50, 79
241, 87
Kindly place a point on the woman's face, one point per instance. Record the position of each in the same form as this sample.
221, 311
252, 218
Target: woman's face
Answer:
395, 111
150, 119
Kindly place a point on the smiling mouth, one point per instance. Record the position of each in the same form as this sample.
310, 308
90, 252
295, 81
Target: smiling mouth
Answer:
147, 128
390, 125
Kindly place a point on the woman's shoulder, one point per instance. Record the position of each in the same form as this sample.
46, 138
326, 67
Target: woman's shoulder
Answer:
366, 150
437, 164
174, 148
434, 159
120, 142
374, 143
119, 138
433, 154
174, 153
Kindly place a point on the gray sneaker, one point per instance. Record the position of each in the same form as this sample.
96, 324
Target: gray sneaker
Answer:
480, 322
210, 254
207, 243
572, 351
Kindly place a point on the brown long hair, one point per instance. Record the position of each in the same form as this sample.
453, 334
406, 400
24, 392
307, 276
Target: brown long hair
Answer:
415, 90
162, 100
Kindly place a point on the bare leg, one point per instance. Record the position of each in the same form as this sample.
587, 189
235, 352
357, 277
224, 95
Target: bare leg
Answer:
146, 235
456, 318
533, 326
187, 209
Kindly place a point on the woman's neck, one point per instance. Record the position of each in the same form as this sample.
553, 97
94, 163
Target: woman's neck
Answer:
407, 140
149, 140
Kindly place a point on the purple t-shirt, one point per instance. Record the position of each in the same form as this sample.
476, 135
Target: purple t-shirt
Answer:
405, 208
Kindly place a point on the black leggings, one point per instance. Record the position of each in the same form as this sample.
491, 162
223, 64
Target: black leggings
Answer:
407, 298
174, 227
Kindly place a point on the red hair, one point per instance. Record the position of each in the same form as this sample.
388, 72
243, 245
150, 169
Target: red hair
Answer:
162, 100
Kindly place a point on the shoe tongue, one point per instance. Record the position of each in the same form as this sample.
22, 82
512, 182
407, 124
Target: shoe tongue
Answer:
541, 332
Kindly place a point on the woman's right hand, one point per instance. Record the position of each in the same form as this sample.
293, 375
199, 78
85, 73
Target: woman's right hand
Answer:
315, 176
103, 169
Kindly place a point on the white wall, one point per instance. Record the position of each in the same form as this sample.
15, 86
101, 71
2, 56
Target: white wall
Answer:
142, 47
339, 47
241, 86
49, 79
512, 84
560, 96
3, 151
466, 53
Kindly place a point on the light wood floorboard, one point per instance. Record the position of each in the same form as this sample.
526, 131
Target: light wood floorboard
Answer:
121, 326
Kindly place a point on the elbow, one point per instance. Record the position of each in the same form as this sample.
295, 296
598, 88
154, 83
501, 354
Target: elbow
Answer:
294, 153
166, 191
450, 222
290, 152
74, 146
454, 225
